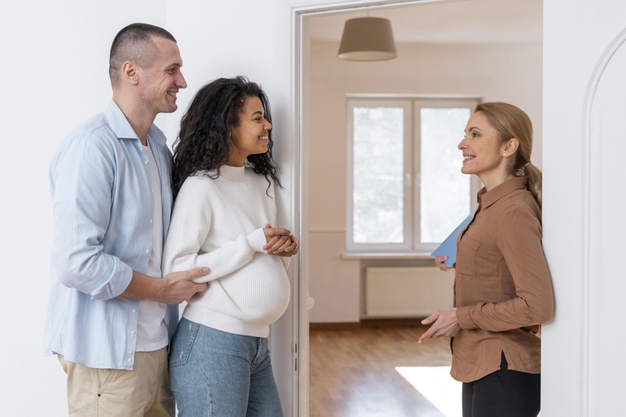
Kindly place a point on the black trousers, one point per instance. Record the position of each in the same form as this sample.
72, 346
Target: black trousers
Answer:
503, 393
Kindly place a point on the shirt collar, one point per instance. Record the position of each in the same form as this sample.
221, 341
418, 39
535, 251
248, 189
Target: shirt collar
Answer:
123, 130
489, 197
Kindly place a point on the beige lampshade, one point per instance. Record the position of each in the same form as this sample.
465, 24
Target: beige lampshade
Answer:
367, 39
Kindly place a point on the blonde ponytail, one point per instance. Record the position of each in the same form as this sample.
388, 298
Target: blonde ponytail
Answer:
511, 122
535, 178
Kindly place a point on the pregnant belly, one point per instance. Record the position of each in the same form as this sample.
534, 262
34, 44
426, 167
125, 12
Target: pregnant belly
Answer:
259, 292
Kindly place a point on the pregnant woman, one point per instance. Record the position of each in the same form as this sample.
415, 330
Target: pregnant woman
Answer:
225, 184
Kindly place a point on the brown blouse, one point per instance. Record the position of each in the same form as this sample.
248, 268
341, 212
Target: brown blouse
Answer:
502, 285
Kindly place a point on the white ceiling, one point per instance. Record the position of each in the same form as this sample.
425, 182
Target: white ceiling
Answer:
452, 21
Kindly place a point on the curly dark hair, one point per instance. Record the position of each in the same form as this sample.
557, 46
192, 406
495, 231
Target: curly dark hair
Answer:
203, 143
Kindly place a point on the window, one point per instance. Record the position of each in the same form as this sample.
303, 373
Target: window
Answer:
406, 192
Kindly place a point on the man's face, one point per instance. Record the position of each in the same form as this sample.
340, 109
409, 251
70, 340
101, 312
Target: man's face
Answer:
160, 83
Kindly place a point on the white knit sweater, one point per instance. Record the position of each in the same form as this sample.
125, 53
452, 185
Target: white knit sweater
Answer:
218, 223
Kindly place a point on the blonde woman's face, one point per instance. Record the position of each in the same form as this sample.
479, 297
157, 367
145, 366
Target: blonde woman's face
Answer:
482, 149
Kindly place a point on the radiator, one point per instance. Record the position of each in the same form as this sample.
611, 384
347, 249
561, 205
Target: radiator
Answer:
406, 291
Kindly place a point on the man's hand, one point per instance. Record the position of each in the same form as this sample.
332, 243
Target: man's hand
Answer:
444, 324
179, 286
174, 288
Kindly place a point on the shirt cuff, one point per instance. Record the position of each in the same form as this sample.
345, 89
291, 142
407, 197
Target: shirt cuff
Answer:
464, 319
113, 287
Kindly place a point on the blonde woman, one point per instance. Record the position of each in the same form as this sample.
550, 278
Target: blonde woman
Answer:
503, 290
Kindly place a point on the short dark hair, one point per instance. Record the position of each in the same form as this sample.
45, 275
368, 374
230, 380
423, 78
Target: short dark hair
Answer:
204, 142
134, 43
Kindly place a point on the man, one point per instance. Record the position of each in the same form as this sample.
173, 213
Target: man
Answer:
111, 314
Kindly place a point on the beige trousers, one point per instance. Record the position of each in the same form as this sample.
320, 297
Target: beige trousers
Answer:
142, 392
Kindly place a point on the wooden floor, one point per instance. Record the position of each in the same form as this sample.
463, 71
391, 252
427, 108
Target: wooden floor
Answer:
352, 371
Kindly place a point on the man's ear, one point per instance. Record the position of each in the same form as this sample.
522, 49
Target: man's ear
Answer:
130, 72
509, 148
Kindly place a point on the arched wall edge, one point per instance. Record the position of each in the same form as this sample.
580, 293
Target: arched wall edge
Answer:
586, 210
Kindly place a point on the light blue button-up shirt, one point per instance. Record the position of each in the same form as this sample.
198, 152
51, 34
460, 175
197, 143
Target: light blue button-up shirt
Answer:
102, 205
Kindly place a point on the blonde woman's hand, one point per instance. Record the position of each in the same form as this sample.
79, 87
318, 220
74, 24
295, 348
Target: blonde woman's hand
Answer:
443, 324
439, 263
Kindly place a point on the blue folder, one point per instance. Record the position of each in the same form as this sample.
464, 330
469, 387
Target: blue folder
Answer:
448, 247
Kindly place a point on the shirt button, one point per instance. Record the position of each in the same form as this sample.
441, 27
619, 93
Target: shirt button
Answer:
133, 332
151, 221
134, 311
529, 317
146, 162
147, 250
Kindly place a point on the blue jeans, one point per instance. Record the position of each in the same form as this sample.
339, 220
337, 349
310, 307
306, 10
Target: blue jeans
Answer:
220, 374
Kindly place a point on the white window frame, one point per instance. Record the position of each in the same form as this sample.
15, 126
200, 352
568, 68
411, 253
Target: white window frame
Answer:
411, 104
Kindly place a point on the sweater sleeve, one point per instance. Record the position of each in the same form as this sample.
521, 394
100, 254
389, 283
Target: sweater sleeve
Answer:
191, 224
519, 240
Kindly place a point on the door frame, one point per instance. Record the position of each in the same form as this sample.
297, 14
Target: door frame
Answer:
300, 90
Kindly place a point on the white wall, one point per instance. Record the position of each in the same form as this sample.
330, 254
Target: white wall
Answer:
251, 38
55, 72
584, 202
502, 72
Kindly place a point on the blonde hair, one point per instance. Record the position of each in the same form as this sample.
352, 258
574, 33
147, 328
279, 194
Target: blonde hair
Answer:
512, 122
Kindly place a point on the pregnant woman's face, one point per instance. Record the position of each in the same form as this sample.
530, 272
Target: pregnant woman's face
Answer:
251, 135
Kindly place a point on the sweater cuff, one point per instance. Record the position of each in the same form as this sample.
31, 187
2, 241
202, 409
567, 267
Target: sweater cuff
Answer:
257, 240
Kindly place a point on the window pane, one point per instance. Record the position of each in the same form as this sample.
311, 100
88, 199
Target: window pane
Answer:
444, 192
378, 174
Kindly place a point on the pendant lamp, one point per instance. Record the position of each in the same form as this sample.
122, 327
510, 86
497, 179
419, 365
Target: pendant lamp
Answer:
367, 39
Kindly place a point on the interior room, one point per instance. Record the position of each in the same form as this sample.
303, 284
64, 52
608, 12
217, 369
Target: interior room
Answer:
485, 50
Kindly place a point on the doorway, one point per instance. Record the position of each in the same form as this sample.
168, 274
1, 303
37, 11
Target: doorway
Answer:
490, 49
